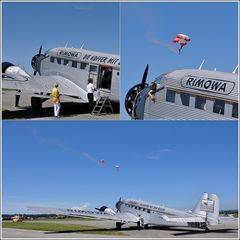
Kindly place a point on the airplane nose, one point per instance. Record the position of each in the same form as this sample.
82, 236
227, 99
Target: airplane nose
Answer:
118, 204
35, 60
134, 91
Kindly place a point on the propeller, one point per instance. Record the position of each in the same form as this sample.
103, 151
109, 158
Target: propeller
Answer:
118, 204
133, 92
35, 60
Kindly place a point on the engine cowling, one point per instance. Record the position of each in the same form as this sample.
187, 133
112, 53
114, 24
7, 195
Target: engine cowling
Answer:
5, 66
106, 210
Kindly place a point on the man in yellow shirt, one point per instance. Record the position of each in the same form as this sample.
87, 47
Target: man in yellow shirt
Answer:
56, 100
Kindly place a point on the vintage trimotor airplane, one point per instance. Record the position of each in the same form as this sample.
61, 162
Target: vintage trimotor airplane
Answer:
70, 68
185, 94
205, 213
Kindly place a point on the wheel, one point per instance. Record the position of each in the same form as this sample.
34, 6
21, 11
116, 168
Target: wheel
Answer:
145, 226
118, 225
36, 103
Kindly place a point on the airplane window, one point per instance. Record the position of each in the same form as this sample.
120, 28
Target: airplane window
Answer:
83, 65
118, 73
148, 211
218, 106
52, 59
185, 98
200, 102
170, 97
65, 62
235, 110
59, 60
160, 81
93, 68
74, 64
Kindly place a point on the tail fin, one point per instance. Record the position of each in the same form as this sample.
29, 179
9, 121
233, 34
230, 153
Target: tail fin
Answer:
208, 207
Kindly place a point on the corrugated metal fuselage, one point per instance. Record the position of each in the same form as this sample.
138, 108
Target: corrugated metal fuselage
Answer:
208, 85
66, 62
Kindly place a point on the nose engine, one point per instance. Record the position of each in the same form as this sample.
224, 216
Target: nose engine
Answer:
36, 61
133, 93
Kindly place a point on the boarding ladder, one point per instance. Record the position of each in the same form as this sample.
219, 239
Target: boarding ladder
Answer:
103, 106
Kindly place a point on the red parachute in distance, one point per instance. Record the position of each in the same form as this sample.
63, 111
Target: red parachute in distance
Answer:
102, 162
182, 39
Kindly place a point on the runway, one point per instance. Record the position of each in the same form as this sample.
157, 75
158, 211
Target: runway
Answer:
228, 230
69, 110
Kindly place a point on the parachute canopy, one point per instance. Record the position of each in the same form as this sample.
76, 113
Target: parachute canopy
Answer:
102, 161
182, 39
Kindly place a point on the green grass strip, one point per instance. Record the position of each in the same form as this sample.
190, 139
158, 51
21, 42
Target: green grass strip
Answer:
60, 228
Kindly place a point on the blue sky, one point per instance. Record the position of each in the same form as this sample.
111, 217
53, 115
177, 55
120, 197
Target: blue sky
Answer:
56, 164
26, 26
212, 27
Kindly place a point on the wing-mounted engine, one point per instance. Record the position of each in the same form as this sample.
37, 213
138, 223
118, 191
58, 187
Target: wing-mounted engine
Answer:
13, 72
106, 210
133, 93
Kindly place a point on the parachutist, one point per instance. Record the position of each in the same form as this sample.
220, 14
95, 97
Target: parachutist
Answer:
182, 40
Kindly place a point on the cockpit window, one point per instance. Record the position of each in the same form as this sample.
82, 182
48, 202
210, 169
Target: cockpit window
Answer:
160, 81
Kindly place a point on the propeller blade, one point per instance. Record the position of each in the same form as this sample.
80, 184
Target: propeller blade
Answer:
40, 51
144, 78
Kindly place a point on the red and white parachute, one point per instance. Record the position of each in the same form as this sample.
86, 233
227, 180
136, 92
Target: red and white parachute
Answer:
182, 39
102, 161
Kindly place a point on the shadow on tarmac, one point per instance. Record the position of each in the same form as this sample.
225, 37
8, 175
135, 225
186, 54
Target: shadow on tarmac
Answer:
181, 232
67, 110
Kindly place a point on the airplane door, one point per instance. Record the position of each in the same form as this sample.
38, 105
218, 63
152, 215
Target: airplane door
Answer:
93, 73
105, 77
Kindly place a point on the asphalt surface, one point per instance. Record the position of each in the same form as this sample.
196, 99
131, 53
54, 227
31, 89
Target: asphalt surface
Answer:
227, 230
69, 110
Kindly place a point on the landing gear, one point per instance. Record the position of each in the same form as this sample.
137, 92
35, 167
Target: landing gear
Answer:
145, 226
207, 229
204, 226
119, 225
36, 103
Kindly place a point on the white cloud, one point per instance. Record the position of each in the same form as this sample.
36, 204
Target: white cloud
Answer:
156, 155
83, 207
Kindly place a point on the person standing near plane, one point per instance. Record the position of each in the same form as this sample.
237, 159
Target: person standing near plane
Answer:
90, 90
139, 222
56, 100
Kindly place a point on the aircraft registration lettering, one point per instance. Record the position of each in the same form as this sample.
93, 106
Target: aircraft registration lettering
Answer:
208, 84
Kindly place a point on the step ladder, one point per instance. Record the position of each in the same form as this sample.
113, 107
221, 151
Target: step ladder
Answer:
102, 105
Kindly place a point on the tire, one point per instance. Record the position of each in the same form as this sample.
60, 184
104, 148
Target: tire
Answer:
36, 103
118, 225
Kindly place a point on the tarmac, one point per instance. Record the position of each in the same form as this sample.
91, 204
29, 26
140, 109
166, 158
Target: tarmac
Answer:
68, 111
228, 230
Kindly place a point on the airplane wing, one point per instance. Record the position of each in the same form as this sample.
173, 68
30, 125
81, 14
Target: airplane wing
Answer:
121, 217
183, 219
40, 86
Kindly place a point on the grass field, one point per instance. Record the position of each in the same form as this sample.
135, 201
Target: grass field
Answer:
65, 219
60, 228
